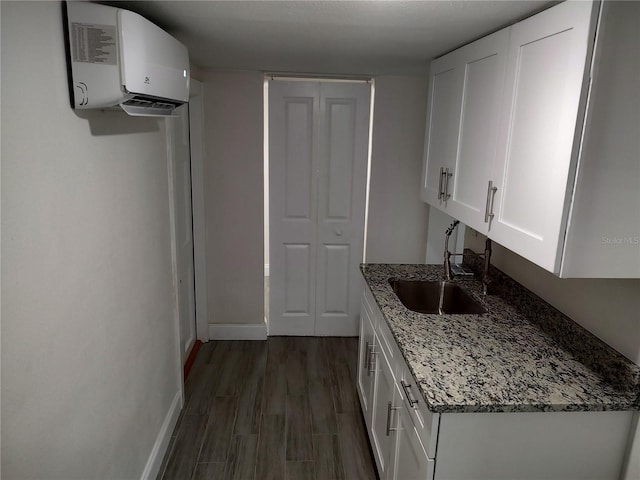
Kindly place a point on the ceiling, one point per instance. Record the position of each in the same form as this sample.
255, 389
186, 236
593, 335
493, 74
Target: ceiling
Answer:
328, 37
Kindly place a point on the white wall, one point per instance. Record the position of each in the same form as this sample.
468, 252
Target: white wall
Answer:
397, 230
233, 171
89, 360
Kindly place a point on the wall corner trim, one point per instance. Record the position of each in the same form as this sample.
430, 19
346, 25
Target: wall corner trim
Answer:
230, 331
152, 468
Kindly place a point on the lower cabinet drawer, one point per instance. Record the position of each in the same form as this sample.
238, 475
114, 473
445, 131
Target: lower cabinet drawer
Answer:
425, 422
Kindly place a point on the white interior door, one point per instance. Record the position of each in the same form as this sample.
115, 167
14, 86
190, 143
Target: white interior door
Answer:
293, 107
181, 161
318, 139
342, 182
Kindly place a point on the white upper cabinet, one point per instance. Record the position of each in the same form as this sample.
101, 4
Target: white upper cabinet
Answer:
540, 122
464, 97
546, 149
443, 117
483, 65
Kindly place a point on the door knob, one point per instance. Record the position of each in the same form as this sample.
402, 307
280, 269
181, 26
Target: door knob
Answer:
338, 232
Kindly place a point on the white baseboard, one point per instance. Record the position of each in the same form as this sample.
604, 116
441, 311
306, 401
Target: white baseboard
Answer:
230, 331
154, 463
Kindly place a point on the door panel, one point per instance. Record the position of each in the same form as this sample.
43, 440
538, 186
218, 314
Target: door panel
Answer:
298, 157
336, 287
341, 135
297, 284
318, 142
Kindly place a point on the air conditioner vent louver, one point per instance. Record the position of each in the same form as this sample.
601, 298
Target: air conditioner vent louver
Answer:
141, 106
139, 102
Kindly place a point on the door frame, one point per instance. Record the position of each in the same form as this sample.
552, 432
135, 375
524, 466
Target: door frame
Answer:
174, 259
267, 78
196, 141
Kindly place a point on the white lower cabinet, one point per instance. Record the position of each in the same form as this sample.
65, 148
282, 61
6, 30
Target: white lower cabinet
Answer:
398, 450
533, 445
409, 442
410, 460
366, 373
398, 424
382, 413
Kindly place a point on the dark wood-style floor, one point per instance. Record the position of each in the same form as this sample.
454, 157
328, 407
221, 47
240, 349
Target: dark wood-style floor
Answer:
282, 409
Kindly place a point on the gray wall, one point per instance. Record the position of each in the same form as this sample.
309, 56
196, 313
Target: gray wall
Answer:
89, 350
397, 230
234, 186
233, 171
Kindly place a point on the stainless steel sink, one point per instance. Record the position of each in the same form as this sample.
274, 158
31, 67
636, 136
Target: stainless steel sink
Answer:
435, 297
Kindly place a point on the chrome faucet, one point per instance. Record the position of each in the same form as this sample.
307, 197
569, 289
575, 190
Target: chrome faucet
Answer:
448, 274
447, 254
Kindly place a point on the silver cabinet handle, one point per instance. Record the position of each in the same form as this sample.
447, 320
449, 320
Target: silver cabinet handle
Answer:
491, 193
372, 363
440, 190
390, 407
367, 356
447, 174
406, 387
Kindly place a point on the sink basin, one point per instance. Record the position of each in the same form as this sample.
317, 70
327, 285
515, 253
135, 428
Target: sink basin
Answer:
435, 297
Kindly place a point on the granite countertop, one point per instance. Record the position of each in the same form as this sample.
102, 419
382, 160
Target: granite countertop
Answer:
521, 356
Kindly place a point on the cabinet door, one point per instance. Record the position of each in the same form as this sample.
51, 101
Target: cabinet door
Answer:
365, 372
443, 115
410, 460
381, 439
537, 139
483, 66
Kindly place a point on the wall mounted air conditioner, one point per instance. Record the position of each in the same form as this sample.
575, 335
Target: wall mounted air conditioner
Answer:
118, 58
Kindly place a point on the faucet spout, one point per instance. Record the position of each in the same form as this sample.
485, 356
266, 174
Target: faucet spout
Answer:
486, 279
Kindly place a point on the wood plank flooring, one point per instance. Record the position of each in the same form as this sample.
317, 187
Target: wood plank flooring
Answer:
281, 409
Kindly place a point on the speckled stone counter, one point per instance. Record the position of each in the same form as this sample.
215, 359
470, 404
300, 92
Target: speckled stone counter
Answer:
522, 355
